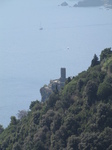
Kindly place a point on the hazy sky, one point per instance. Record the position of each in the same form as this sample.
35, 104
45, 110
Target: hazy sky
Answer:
30, 58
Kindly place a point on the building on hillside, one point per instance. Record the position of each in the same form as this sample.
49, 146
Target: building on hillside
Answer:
47, 90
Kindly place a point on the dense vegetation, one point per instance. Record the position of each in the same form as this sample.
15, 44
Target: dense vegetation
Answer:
79, 117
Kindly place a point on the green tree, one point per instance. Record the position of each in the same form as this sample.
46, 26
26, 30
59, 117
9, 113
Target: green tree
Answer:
88, 141
94, 61
16, 146
22, 113
105, 139
80, 84
39, 146
73, 142
104, 116
32, 104
110, 67
91, 91
56, 122
36, 116
105, 53
1, 129
13, 120
104, 90
102, 75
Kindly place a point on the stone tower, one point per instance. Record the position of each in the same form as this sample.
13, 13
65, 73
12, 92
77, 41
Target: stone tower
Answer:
63, 75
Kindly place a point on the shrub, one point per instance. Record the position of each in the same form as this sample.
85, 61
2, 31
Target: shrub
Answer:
104, 90
91, 90
105, 53
94, 61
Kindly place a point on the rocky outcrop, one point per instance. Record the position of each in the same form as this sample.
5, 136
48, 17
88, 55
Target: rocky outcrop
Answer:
54, 85
47, 90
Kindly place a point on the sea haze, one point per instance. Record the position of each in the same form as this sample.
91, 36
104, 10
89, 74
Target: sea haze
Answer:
30, 58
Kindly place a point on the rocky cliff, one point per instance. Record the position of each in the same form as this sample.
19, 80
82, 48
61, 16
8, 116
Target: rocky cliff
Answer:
54, 85
47, 90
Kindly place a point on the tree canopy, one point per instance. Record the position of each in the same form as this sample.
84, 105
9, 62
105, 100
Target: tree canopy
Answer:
79, 117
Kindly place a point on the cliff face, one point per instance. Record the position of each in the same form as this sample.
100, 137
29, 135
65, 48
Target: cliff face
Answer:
47, 90
54, 85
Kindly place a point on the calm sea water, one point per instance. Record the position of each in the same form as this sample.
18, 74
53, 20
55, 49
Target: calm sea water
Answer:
30, 57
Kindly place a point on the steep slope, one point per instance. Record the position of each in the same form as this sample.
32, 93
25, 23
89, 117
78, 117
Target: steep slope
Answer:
79, 117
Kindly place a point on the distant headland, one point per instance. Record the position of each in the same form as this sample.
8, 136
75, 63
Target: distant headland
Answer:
91, 3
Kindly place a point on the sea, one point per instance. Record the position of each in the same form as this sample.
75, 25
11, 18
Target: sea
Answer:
37, 38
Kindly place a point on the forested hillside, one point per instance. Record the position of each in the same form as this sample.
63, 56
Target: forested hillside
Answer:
79, 117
